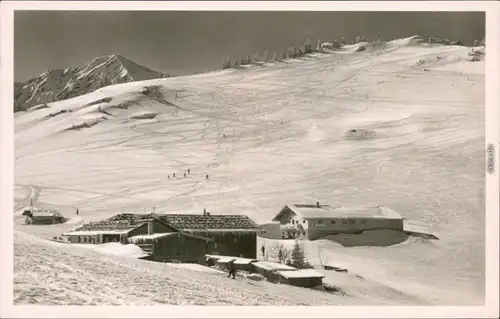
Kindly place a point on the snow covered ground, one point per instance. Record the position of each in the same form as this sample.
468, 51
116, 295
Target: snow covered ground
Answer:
266, 136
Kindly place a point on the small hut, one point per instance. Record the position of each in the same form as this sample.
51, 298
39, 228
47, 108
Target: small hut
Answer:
307, 278
269, 269
241, 264
40, 216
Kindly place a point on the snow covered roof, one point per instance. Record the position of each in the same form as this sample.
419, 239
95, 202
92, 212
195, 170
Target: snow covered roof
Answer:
269, 265
225, 259
163, 235
123, 221
210, 222
43, 212
327, 211
237, 260
96, 232
236, 230
300, 273
152, 236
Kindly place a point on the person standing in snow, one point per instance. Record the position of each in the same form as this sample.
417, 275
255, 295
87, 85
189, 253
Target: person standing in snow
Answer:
232, 269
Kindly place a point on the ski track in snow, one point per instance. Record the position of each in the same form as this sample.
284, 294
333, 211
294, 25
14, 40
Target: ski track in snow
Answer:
426, 163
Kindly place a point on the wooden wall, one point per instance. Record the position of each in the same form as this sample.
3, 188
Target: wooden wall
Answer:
232, 244
181, 248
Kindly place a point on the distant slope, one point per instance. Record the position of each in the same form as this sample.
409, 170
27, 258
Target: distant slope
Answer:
61, 84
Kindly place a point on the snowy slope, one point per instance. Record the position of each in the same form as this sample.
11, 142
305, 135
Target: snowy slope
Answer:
51, 273
94, 153
56, 85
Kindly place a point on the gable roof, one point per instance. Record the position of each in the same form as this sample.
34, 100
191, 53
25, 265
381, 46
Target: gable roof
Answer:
120, 223
327, 211
44, 212
198, 222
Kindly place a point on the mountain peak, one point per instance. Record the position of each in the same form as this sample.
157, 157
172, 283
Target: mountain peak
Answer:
61, 84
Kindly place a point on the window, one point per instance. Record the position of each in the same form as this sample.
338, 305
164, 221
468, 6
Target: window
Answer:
304, 221
351, 221
293, 222
320, 221
333, 222
344, 222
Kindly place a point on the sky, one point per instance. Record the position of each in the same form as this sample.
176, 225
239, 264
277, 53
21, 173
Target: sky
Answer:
180, 43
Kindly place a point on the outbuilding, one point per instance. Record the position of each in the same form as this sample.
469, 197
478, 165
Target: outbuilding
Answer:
40, 216
117, 229
307, 278
173, 247
269, 269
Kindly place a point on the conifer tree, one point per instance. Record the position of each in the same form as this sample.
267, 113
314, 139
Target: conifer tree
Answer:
282, 55
298, 259
274, 57
226, 64
308, 48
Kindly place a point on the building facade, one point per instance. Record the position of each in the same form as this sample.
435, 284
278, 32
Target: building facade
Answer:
316, 221
117, 229
232, 235
38, 216
173, 247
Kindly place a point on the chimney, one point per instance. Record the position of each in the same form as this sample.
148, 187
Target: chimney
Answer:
204, 212
317, 204
150, 227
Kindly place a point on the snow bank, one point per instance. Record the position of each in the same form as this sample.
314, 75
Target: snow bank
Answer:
74, 220
117, 249
143, 116
370, 238
194, 267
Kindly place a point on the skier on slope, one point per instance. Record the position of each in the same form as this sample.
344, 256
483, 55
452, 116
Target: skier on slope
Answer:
232, 269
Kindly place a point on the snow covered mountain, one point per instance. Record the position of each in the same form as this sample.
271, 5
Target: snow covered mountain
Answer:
61, 84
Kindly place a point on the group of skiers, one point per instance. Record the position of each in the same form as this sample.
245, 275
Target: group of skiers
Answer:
186, 173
